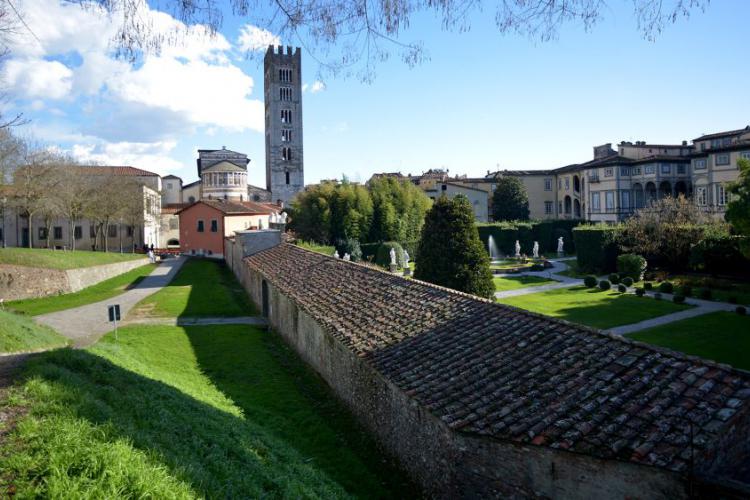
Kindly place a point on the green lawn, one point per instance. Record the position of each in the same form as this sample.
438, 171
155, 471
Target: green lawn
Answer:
316, 247
510, 264
202, 288
100, 291
18, 334
572, 270
58, 259
170, 412
720, 336
516, 282
593, 307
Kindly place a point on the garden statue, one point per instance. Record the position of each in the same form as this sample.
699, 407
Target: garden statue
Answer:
407, 269
560, 245
393, 256
335, 254
283, 217
272, 218
347, 257
535, 250
518, 250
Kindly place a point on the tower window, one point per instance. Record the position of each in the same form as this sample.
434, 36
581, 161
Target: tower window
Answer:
286, 154
285, 75
287, 177
286, 135
285, 93
286, 116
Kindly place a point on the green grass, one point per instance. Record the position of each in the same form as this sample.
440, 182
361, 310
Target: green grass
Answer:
316, 247
100, 291
58, 259
170, 412
516, 282
572, 271
721, 289
593, 307
19, 334
201, 288
720, 336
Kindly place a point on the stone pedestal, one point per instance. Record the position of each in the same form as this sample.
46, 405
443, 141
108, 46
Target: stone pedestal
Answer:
392, 268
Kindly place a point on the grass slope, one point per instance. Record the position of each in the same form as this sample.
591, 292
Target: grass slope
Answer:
58, 259
18, 334
317, 247
515, 282
202, 288
100, 291
593, 307
169, 412
720, 336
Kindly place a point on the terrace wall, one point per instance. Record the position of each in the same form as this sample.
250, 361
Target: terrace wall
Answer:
447, 464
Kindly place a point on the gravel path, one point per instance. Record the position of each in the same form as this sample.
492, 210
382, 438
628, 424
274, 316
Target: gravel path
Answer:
86, 324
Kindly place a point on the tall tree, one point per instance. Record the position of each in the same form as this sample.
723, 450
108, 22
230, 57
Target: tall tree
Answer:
510, 200
33, 186
351, 212
738, 212
450, 252
310, 213
399, 208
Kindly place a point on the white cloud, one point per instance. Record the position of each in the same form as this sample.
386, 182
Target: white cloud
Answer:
38, 78
148, 156
253, 39
317, 86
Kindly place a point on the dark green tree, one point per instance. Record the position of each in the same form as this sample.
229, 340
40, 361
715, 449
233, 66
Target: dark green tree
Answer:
310, 213
510, 201
399, 208
450, 252
351, 212
738, 212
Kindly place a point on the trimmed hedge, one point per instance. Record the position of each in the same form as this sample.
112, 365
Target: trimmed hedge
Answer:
640, 291
589, 281
383, 257
596, 247
614, 278
627, 281
545, 232
622, 288
605, 285
719, 253
666, 287
631, 265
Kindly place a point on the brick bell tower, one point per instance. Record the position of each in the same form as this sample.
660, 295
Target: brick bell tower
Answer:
282, 85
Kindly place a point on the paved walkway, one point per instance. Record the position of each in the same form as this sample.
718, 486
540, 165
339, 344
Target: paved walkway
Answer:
86, 324
239, 320
558, 265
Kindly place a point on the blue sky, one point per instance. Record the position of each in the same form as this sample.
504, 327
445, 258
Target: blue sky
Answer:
482, 99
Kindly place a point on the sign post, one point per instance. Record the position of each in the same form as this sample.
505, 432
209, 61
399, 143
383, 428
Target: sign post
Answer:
114, 315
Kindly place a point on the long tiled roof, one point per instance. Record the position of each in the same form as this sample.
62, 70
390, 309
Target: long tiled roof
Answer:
493, 370
119, 170
722, 134
232, 207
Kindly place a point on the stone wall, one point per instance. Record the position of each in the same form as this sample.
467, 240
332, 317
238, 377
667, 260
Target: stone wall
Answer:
20, 282
445, 463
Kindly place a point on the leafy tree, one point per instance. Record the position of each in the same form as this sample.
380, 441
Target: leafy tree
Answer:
310, 213
738, 212
510, 201
399, 208
351, 212
450, 252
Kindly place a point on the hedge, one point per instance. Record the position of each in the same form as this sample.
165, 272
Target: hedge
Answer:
383, 256
369, 250
719, 254
596, 247
544, 232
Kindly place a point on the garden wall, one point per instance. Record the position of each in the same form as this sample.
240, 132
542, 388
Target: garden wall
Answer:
446, 463
21, 282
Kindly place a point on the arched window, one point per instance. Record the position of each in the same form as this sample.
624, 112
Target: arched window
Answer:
287, 177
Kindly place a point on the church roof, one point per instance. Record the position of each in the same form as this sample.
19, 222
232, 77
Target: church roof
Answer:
496, 371
224, 166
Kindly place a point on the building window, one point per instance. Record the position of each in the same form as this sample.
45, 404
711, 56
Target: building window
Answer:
700, 196
200, 225
214, 226
567, 184
635, 171
169, 185
42, 233
112, 231
610, 200
286, 154
625, 200
721, 195
609, 172
286, 116
287, 177
595, 202
548, 206
547, 184
624, 171
722, 159
78, 232
286, 135
285, 75
57, 232
130, 230
666, 168
681, 169
745, 155
649, 169
285, 93
559, 183
700, 164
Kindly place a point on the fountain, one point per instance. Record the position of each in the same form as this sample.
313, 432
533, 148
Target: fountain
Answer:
492, 249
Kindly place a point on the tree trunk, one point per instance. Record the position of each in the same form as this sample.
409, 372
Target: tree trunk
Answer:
106, 236
31, 233
119, 231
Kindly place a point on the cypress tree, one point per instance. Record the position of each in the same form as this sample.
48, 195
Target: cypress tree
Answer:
450, 251
510, 201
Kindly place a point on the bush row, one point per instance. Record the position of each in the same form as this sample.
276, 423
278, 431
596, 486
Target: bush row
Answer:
545, 232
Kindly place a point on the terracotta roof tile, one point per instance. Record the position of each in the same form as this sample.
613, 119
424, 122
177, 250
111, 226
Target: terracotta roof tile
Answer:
493, 370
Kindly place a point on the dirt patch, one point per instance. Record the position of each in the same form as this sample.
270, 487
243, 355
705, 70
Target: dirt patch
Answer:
142, 311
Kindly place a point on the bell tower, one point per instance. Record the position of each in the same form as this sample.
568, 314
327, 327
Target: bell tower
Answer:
282, 84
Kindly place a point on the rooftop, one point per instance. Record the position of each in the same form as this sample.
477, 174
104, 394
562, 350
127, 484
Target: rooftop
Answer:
119, 170
233, 207
493, 370
718, 135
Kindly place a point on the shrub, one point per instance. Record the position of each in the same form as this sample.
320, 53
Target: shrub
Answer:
732, 299
589, 281
678, 299
350, 246
632, 266
648, 285
666, 287
596, 247
657, 296
627, 281
537, 267
605, 285
686, 290
718, 252
640, 291
740, 310
614, 278
622, 288
706, 294
383, 255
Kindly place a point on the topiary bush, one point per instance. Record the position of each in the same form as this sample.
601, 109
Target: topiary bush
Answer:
740, 310
614, 278
383, 255
640, 291
648, 285
596, 247
605, 285
627, 281
622, 288
631, 265
678, 299
686, 290
666, 287
589, 281
706, 294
